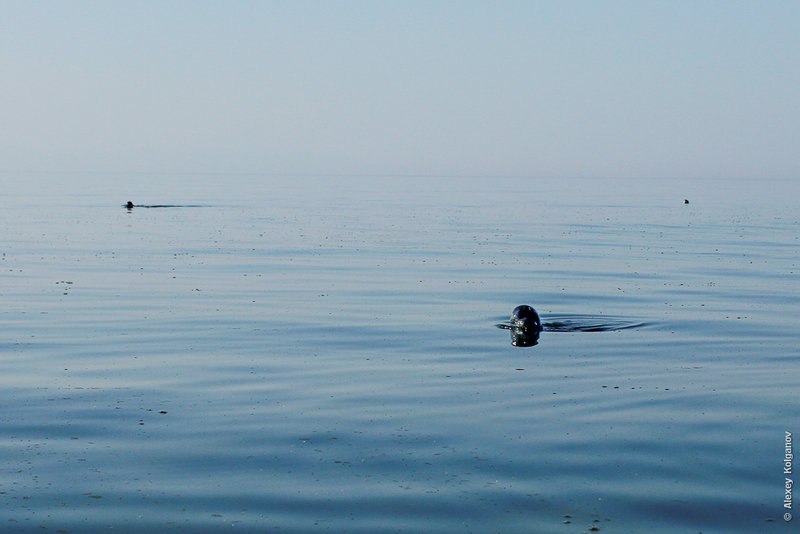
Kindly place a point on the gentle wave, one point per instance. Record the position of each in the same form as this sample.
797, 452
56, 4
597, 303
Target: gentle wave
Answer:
319, 357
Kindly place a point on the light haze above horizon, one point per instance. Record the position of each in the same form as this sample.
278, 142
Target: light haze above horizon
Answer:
638, 89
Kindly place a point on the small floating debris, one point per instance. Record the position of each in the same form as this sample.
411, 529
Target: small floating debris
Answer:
67, 286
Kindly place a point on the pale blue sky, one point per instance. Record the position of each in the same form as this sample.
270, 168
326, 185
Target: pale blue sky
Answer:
556, 89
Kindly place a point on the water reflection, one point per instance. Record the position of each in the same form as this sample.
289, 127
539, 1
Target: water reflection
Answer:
522, 337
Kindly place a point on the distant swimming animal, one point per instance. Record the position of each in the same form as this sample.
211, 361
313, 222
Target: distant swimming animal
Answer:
130, 205
685, 200
525, 326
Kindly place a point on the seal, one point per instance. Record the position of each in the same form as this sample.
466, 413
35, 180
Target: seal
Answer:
130, 205
525, 326
525, 318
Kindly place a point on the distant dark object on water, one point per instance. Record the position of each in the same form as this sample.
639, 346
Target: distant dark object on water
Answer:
130, 205
685, 201
525, 326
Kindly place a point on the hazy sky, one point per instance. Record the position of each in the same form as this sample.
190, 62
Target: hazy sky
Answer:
553, 88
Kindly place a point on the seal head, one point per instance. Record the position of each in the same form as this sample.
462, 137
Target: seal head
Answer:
129, 205
525, 326
525, 318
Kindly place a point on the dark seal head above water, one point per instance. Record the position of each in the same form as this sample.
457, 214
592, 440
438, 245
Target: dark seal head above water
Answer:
129, 205
525, 318
525, 326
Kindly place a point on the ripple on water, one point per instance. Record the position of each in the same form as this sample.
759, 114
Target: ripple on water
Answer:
588, 323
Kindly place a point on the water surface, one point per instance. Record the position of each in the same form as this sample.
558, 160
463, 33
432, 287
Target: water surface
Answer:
297, 354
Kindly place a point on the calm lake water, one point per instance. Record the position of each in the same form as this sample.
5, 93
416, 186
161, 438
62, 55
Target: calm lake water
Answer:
300, 355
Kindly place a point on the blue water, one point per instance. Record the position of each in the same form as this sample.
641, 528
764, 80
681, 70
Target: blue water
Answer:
299, 354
